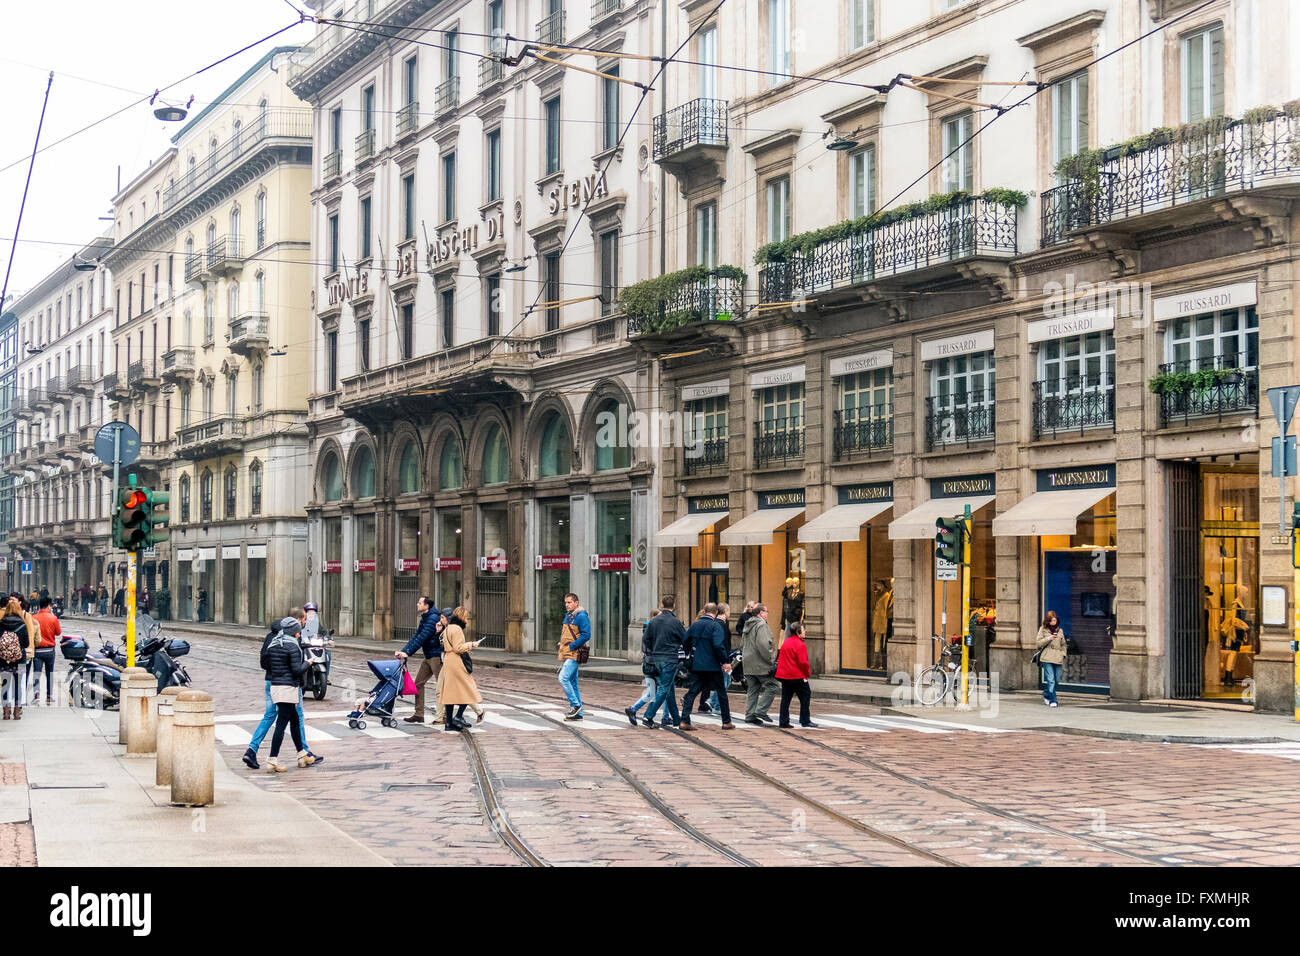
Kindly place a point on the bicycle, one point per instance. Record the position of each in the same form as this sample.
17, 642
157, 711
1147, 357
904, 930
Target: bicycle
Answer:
943, 677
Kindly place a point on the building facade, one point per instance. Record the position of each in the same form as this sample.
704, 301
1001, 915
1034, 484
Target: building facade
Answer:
8, 433
1070, 337
472, 225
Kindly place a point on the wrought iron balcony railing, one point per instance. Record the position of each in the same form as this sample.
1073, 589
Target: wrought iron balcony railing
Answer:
274, 124
1073, 404
550, 30
976, 227
779, 440
249, 331
408, 118
715, 299
178, 362
365, 146
1174, 171
332, 165
708, 455
225, 252
193, 267
53, 390
490, 71
961, 419
210, 437
1207, 388
701, 122
865, 429
446, 98
604, 8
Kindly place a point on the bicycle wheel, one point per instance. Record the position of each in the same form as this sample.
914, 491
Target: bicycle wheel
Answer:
930, 685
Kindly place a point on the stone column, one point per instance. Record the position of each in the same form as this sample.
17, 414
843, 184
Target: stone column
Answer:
816, 500
911, 602
193, 745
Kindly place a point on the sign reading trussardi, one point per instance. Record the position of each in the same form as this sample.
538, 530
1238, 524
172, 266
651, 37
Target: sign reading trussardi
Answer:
953, 345
363, 566
576, 194
333, 567
449, 244
1045, 330
551, 562
1206, 300
965, 486
446, 564
702, 504
789, 375
791, 498
347, 288
611, 562
864, 362
695, 393
407, 564
1067, 479
866, 494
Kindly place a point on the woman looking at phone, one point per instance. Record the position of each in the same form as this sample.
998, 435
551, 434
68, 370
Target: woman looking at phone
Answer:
458, 690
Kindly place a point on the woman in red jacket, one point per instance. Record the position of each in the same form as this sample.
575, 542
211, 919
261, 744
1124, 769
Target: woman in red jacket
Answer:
793, 671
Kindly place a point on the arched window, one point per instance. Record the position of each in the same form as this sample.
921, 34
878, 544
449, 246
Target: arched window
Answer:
332, 478
612, 450
261, 118
205, 495
212, 236
236, 136
259, 291
496, 457
259, 385
363, 474
232, 490
556, 452
232, 300
212, 154
261, 219
255, 488
449, 470
189, 172
189, 247
408, 471
234, 231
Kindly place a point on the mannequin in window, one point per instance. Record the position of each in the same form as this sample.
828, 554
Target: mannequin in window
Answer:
1234, 635
791, 603
882, 620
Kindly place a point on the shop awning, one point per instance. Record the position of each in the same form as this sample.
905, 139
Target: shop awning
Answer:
757, 528
1049, 512
685, 532
843, 522
919, 522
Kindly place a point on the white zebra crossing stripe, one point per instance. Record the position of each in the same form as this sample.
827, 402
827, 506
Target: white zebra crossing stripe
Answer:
316, 735
307, 715
894, 723
232, 736
947, 723
495, 718
376, 729
845, 725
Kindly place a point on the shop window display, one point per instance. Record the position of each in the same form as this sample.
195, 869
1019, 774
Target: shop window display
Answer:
1078, 583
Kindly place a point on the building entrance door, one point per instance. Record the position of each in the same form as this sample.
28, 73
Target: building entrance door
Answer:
708, 586
489, 620
609, 628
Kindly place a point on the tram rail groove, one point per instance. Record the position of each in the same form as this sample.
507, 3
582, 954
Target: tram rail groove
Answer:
496, 813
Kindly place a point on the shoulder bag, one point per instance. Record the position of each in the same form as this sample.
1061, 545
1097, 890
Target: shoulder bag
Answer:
467, 661
584, 653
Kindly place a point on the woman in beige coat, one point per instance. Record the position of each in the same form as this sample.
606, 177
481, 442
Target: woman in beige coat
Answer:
458, 687
1053, 648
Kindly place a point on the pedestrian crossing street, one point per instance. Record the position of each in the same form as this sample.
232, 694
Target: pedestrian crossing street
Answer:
324, 726
1286, 749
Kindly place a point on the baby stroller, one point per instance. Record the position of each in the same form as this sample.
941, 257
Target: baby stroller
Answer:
392, 682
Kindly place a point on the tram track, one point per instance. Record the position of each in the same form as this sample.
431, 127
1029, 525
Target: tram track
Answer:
496, 813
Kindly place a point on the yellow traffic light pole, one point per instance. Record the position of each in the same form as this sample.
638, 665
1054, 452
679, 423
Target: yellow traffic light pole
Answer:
130, 609
965, 610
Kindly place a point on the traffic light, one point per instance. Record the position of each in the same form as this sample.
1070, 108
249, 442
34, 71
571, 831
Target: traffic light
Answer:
948, 539
132, 518
158, 517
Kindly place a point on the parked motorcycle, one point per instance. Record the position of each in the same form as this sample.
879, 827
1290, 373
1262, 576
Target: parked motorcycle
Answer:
95, 680
316, 652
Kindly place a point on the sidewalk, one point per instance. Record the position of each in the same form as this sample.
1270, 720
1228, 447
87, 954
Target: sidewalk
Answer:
1188, 722
67, 787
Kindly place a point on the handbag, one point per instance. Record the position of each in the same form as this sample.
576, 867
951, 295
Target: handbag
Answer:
647, 668
467, 661
584, 654
408, 685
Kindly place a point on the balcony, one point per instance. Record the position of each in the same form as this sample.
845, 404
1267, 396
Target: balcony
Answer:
178, 365
115, 386
80, 378
690, 304
1074, 404
24, 407
490, 73
908, 240
600, 9
446, 98
332, 165
709, 454
49, 453
225, 255
142, 375
210, 438
963, 420
550, 30
408, 119
194, 267
289, 128
778, 442
86, 437
1167, 171
691, 141
365, 147
861, 431
44, 397
249, 333
337, 49
1206, 388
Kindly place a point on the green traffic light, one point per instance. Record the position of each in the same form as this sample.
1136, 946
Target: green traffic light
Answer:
948, 539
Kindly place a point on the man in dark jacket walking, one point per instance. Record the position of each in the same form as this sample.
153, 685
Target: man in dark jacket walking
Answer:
707, 638
665, 635
428, 638
296, 618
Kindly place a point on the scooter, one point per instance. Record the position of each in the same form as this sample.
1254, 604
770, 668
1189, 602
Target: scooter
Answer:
96, 679
316, 652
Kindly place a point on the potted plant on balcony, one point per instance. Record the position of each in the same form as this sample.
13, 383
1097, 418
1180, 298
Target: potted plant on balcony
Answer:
1171, 383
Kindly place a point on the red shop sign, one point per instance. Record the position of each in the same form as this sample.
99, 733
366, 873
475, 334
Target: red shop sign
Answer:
333, 567
611, 562
496, 565
363, 566
446, 564
551, 562
408, 564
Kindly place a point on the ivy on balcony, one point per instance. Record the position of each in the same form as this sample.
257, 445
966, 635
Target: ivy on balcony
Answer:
806, 242
697, 294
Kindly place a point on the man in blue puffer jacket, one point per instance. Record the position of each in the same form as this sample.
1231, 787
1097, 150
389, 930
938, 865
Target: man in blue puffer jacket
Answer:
428, 638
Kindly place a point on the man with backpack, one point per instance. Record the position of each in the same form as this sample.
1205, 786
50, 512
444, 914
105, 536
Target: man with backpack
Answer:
575, 631
428, 638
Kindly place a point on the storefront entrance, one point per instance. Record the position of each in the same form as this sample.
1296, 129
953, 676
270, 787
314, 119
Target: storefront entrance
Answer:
612, 565
708, 586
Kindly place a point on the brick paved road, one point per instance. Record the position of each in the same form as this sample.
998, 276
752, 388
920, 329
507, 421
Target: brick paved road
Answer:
889, 791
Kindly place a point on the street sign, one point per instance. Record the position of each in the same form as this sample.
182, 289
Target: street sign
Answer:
4, 564
1283, 468
151, 552
130, 443
944, 570
27, 567
1283, 400
72, 562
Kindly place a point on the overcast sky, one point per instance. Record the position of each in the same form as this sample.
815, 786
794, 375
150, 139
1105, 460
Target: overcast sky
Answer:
104, 56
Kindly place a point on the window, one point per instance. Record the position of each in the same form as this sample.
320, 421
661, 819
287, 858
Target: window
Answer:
961, 392
451, 40
610, 120
336, 129
332, 361
408, 331
234, 240
862, 182
551, 278
780, 408
862, 27
866, 397
363, 473
259, 291
553, 135
365, 228
408, 470
1070, 115
449, 187
449, 470
207, 399
496, 26
708, 65
778, 34
185, 498
494, 165
232, 393
255, 488
259, 381
492, 297
232, 490
408, 207
959, 168
209, 315
411, 79
205, 495
332, 478
1202, 69
368, 109
496, 457
232, 300
706, 419
778, 209
185, 407
612, 449
609, 272
448, 318
261, 219
555, 452
334, 243
363, 342
706, 235
1074, 365
1228, 339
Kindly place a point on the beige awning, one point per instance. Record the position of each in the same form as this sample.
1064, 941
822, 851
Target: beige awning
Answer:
757, 528
919, 522
843, 522
1049, 512
685, 532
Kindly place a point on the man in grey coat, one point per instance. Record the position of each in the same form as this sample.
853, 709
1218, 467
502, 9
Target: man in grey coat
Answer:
759, 655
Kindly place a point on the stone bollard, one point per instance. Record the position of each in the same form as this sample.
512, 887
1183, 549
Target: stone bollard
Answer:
128, 717
138, 691
193, 742
166, 699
